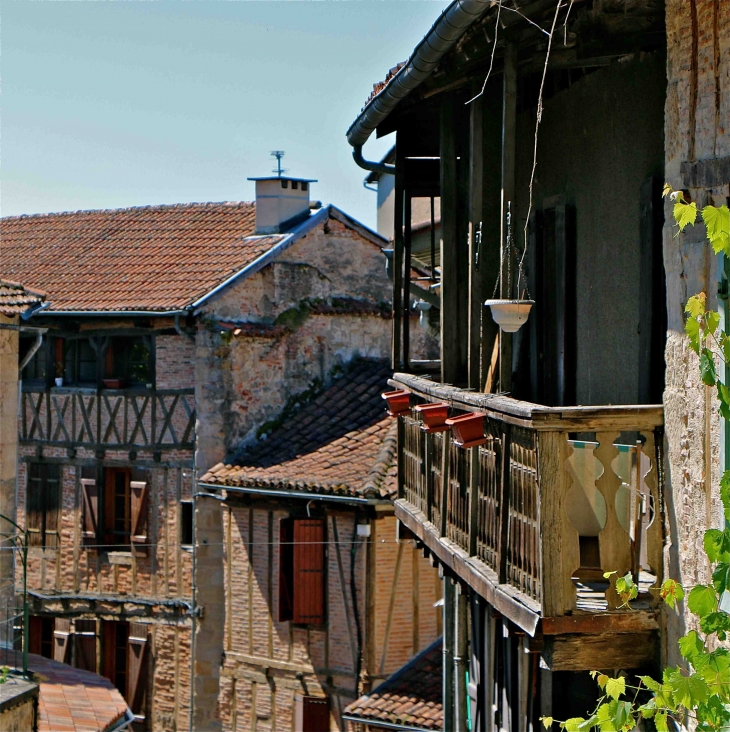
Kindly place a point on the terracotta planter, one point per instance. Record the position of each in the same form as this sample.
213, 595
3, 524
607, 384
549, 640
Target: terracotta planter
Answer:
510, 315
399, 401
467, 430
434, 416
113, 383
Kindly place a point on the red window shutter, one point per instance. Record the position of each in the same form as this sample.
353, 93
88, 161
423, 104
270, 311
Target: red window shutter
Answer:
137, 668
286, 569
85, 643
309, 571
139, 493
62, 640
90, 497
315, 714
35, 635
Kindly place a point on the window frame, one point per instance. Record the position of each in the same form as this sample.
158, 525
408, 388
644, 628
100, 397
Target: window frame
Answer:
109, 532
185, 530
43, 482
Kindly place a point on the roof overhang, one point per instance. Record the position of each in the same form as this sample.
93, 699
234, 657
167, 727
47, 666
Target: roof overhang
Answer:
386, 725
305, 495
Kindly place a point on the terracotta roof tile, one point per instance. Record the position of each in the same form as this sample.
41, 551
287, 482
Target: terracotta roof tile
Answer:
411, 696
74, 700
148, 258
339, 443
16, 299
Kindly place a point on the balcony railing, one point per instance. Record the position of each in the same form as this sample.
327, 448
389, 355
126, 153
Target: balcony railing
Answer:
550, 501
111, 418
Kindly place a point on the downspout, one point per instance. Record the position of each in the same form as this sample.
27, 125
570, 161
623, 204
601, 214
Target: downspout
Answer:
180, 331
356, 612
371, 165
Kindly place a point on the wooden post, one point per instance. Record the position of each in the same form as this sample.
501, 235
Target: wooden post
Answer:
400, 436
460, 659
504, 496
445, 479
448, 655
407, 216
476, 270
509, 120
428, 460
397, 258
449, 246
474, 496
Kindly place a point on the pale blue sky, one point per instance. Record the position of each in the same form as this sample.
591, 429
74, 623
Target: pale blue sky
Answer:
108, 104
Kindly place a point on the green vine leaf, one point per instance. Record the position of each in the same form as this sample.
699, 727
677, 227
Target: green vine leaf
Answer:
712, 321
717, 545
696, 305
684, 213
723, 395
692, 329
660, 720
717, 221
717, 622
721, 577
715, 669
702, 600
650, 683
671, 592
725, 493
616, 687
689, 691
691, 646
626, 588
708, 372
547, 722
574, 724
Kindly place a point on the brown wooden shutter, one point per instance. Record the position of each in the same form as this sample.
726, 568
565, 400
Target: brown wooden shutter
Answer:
62, 640
34, 504
286, 569
137, 668
139, 493
85, 643
35, 635
309, 571
315, 714
52, 507
90, 499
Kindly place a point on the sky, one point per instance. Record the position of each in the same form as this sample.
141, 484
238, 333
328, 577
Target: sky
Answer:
108, 104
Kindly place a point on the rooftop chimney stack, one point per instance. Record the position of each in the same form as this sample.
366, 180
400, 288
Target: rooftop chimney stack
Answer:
281, 201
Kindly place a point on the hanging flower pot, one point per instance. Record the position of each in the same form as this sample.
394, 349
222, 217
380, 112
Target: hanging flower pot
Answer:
399, 401
510, 315
434, 416
467, 430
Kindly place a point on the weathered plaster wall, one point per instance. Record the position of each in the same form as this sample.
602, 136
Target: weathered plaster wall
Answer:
697, 127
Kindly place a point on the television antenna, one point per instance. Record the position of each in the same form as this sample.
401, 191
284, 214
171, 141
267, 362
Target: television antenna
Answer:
278, 154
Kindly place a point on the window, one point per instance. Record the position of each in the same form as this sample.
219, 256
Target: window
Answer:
85, 644
35, 371
302, 571
294, 185
312, 713
129, 360
76, 361
186, 523
125, 510
41, 636
125, 662
42, 504
284, 183
304, 186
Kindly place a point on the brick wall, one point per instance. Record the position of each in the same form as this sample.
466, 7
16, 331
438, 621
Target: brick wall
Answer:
268, 662
696, 129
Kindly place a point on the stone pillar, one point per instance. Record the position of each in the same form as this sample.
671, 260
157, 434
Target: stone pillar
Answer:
210, 406
8, 451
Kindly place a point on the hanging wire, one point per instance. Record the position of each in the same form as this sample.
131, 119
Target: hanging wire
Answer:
509, 250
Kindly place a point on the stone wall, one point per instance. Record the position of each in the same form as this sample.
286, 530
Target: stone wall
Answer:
268, 662
697, 128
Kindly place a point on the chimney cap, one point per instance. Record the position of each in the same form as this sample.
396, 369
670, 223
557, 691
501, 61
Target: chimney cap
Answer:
285, 177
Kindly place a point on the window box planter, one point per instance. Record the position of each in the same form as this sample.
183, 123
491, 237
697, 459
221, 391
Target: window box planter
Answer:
434, 416
467, 430
399, 402
510, 315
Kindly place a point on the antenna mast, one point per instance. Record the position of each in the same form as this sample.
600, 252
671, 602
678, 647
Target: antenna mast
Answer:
278, 154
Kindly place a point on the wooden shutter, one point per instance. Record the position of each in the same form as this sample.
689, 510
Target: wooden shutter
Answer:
34, 504
309, 571
139, 493
315, 714
137, 668
35, 635
62, 640
90, 500
286, 569
85, 643
52, 507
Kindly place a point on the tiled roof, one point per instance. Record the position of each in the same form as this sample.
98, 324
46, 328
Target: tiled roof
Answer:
72, 700
410, 697
16, 299
340, 443
380, 85
149, 258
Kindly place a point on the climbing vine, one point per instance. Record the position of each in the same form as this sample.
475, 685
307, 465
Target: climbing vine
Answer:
700, 693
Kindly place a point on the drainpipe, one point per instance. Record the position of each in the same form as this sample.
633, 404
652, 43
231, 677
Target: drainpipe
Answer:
448, 652
460, 661
371, 165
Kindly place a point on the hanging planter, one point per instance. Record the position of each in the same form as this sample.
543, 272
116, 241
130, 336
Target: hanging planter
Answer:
510, 315
434, 416
399, 401
467, 430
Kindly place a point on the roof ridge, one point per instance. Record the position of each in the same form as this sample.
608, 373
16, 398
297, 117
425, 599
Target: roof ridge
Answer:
147, 207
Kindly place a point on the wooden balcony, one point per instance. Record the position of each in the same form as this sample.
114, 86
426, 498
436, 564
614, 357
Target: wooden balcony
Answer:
126, 419
533, 517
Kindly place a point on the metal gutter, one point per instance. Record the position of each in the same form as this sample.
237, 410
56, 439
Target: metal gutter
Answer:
115, 313
258, 264
444, 33
386, 725
298, 494
124, 723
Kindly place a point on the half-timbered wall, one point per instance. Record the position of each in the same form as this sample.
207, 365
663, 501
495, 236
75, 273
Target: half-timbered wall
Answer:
270, 664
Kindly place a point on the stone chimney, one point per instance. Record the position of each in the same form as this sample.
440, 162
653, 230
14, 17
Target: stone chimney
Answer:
281, 203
